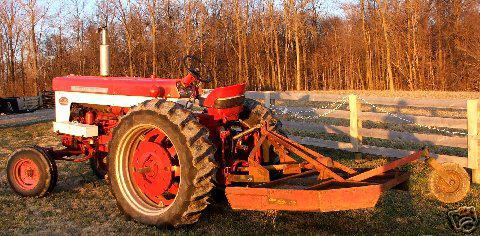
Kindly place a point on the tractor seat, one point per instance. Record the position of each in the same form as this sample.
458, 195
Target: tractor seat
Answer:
226, 97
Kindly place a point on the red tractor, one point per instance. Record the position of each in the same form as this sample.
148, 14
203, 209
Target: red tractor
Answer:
165, 146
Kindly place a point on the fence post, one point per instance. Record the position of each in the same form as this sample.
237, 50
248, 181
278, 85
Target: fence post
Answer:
473, 149
268, 99
355, 124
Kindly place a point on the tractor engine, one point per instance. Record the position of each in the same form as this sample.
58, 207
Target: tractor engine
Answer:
104, 117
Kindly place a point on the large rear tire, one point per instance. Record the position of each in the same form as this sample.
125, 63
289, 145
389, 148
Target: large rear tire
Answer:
161, 164
255, 113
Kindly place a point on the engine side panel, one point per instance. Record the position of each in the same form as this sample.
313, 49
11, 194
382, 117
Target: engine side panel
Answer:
64, 100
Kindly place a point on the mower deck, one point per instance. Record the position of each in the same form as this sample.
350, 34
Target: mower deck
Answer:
302, 194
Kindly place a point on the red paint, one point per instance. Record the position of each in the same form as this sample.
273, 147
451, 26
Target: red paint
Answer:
228, 114
336, 198
89, 118
128, 86
103, 141
67, 141
154, 91
224, 92
153, 168
187, 80
99, 146
118, 111
26, 174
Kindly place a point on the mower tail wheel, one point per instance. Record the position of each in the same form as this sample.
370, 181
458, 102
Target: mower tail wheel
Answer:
449, 184
161, 164
31, 172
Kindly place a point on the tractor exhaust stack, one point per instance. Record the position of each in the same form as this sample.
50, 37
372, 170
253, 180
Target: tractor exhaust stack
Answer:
104, 52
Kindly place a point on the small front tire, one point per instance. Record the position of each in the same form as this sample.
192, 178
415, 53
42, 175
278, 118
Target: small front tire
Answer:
31, 172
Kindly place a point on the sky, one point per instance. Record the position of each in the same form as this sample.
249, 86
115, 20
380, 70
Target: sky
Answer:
334, 7
329, 7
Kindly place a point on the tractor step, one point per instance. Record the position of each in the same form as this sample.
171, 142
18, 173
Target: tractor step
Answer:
299, 195
76, 129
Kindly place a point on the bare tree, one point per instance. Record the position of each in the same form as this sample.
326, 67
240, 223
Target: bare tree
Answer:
152, 11
35, 13
10, 25
125, 14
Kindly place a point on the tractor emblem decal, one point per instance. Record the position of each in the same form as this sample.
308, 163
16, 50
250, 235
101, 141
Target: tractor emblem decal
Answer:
464, 219
63, 101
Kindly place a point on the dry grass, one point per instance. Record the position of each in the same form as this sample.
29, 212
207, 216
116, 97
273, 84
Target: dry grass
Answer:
81, 204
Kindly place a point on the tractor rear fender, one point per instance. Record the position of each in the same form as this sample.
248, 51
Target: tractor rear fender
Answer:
226, 103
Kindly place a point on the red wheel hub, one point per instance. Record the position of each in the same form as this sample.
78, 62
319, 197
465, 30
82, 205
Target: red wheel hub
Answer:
26, 174
154, 169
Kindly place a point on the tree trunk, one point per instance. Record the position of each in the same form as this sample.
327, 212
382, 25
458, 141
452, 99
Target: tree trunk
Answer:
152, 8
238, 25
296, 25
367, 46
383, 12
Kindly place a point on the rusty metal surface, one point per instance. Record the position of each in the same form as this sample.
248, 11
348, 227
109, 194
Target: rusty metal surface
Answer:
337, 199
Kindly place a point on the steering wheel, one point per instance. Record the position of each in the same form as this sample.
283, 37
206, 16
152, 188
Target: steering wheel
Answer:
194, 65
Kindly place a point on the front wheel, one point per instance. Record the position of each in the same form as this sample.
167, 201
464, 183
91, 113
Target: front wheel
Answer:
31, 172
161, 164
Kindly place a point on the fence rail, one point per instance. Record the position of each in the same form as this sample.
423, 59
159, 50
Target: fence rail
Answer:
391, 101
382, 117
453, 131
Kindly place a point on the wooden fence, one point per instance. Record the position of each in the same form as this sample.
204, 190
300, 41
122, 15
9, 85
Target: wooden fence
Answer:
470, 124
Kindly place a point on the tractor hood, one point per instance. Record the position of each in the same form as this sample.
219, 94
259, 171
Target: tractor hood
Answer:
127, 86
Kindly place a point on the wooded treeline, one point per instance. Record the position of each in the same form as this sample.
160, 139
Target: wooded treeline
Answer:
269, 44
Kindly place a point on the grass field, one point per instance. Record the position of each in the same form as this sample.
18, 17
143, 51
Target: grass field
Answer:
81, 204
